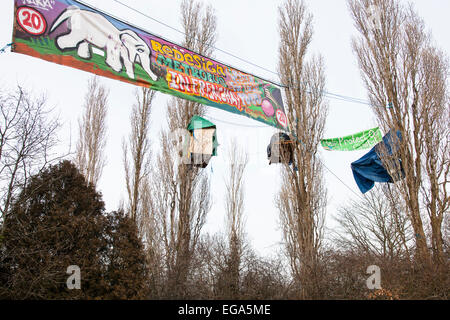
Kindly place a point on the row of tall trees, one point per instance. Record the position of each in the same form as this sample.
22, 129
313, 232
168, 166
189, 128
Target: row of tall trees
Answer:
156, 241
58, 220
403, 69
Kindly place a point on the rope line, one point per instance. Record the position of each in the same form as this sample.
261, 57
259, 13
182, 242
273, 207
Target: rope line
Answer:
3, 50
323, 164
238, 124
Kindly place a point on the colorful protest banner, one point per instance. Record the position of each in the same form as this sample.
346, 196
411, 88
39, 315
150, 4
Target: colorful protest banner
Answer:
358, 141
70, 33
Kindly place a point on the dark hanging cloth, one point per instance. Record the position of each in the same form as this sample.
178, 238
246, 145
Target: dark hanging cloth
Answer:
370, 169
280, 149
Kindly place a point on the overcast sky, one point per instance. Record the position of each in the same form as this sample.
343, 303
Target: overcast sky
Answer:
248, 29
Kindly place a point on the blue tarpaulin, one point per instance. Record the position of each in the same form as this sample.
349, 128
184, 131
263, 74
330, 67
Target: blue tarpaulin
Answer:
369, 168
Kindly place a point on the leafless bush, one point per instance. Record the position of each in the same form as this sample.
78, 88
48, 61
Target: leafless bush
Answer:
376, 225
343, 276
259, 277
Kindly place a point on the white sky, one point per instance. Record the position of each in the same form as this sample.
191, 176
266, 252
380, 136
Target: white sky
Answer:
248, 29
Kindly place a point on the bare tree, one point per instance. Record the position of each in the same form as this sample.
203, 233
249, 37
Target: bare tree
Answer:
234, 207
137, 166
136, 172
407, 82
260, 277
181, 196
375, 225
90, 158
27, 136
302, 198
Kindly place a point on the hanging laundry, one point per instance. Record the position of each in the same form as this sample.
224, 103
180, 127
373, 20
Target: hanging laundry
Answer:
358, 141
280, 149
203, 141
370, 168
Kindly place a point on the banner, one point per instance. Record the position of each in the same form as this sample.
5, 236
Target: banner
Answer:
72, 34
358, 141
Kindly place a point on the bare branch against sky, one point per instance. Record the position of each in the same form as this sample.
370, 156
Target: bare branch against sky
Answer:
90, 155
28, 134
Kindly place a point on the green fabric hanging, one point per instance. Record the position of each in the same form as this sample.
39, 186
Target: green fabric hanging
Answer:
358, 141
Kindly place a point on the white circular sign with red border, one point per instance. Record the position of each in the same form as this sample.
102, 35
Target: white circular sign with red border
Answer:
31, 20
281, 118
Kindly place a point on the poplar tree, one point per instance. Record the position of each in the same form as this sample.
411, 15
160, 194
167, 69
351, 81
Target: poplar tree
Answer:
302, 198
181, 197
90, 158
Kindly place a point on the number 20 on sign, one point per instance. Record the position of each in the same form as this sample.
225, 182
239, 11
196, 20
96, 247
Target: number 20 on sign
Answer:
31, 20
